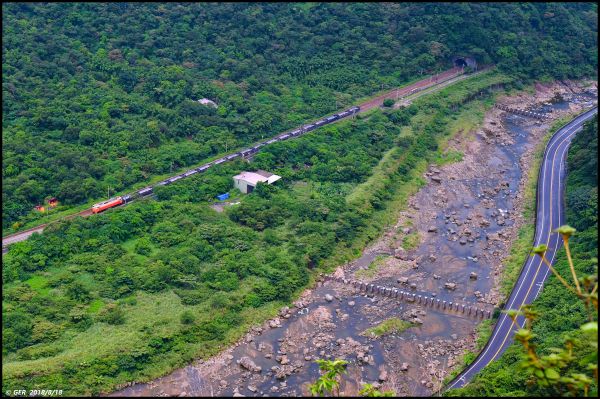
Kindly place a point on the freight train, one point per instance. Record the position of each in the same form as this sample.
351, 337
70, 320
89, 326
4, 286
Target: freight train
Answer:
243, 153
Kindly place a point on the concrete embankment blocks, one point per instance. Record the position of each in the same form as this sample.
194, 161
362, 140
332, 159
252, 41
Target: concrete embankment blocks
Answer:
428, 301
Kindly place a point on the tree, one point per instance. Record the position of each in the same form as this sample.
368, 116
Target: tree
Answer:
329, 382
388, 102
547, 370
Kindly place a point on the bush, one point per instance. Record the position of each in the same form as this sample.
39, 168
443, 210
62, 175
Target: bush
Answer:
112, 314
187, 317
388, 102
143, 246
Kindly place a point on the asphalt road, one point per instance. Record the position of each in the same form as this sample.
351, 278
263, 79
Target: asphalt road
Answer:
550, 215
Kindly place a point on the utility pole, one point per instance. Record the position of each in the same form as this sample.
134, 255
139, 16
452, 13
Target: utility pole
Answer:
109, 192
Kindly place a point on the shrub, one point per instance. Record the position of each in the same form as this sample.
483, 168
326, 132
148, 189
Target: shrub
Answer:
112, 314
187, 317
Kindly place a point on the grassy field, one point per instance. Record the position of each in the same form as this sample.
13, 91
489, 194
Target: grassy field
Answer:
373, 268
157, 313
390, 326
411, 241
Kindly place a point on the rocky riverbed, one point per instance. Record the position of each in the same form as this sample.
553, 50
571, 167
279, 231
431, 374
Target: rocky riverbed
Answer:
465, 219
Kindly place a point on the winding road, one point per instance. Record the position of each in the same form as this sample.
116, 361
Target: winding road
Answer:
550, 215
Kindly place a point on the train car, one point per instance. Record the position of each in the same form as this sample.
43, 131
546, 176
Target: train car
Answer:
127, 198
101, 206
190, 172
271, 141
175, 178
203, 168
230, 157
145, 191
285, 136
308, 128
219, 161
354, 109
295, 132
164, 182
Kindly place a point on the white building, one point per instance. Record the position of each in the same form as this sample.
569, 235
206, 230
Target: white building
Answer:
247, 181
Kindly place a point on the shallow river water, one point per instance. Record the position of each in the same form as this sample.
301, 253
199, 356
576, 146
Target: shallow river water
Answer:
315, 330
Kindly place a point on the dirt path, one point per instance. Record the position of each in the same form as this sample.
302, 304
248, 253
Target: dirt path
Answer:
465, 217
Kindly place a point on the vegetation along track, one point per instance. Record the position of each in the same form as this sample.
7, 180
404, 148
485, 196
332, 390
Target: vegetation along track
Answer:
439, 81
550, 215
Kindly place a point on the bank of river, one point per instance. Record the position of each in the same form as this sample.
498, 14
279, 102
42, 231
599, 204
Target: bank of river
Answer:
465, 218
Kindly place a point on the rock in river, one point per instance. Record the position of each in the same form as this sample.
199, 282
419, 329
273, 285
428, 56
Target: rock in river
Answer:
383, 376
450, 286
248, 364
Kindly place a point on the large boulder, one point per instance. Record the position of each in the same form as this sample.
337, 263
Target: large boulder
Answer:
400, 253
383, 376
450, 286
248, 364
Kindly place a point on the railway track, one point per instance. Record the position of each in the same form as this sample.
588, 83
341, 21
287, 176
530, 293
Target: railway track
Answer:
399, 93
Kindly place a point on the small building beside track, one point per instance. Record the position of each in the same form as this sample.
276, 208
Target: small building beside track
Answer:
246, 181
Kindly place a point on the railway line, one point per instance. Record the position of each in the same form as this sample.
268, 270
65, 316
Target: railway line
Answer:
436, 80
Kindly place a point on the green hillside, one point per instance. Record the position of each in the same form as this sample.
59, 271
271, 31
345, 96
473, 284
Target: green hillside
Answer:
100, 97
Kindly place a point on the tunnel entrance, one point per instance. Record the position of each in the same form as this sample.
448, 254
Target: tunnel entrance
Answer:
460, 62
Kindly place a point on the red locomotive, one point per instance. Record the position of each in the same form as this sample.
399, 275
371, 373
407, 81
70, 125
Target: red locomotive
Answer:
101, 206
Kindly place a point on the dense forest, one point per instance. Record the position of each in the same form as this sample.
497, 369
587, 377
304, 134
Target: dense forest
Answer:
132, 293
103, 96
560, 312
